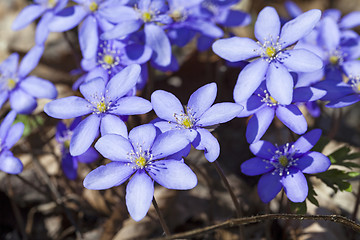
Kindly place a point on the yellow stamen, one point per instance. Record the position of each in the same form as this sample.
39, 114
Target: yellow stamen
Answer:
108, 59
334, 60
283, 160
52, 3
176, 15
146, 16
273, 100
141, 162
93, 6
11, 84
187, 123
67, 144
101, 107
270, 51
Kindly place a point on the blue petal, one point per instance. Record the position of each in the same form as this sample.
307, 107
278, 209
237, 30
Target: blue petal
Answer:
269, 186
122, 30
69, 166
256, 166
118, 13
280, 83
67, 19
292, 117
250, 79
299, 27
27, 15
139, 194
107, 176
68, 107
169, 143
307, 141
208, 143
307, 94
173, 174
22, 102
263, 149
10, 64
293, 9
114, 147
4, 95
143, 136
165, 126
233, 18
10, 164
6, 124
329, 34
295, 185
131, 105
219, 113
111, 124
89, 156
84, 135
313, 162
344, 101
14, 135
122, 82
267, 24
30, 60
352, 68
38, 87
202, 99
236, 49
136, 53
251, 106
88, 37
156, 39
259, 123
42, 30
93, 90
350, 20
207, 28
165, 105
301, 60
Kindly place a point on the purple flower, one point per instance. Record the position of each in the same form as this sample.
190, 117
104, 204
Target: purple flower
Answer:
283, 166
69, 163
9, 135
139, 157
193, 119
45, 8
104, 103
264, 108
23, 90
275, 59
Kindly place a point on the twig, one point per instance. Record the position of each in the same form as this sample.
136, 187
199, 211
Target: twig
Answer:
32, 185
161, 218
254, 219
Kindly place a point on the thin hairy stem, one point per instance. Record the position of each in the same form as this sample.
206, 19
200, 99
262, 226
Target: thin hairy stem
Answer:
161, 218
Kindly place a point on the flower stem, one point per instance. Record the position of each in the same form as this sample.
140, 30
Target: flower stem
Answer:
161, 218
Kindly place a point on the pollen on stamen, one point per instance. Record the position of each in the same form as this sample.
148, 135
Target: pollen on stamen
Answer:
52, 3
93, 6
185, 120
270, 49
11, 83
269, 100
108, 57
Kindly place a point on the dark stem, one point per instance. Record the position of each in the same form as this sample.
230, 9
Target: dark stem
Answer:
254, 219
335, 123
356, 209
161, 218
32, 185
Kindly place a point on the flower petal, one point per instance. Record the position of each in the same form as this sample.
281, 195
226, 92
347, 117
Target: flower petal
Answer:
250, 79
139, 194
107, 176
143, 135
173, 174
350, 20
251, 106
280, 83
69, 107
202, 99
236, 49
344, 101
111, 124
118, 13
84, 135
114, 147
269, 186
22, 102
121, 30
299, 27
131, 105
308, 94
329, 34
67, 18
259, 123
292, 117
10, 64
165, 105
88, 37
156, 39
307, 141
89, 156
256, 166
168, 143
313, 162
27, 15
267, 24
14, 134
6, 124
263, 149
69, 166
301, 60
93, 90
219, 113
295, 185
30, 60
38, 87
10, 164
208, 143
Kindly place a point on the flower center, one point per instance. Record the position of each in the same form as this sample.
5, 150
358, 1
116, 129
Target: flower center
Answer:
52, 3
108, 56
93, 6
270, 51
101, 107
141, 158
355, 83
283, 160
269, 100
108, 59
185, 120
140, 162
146, 16
176, 15
67, 143
334, 60
11, 83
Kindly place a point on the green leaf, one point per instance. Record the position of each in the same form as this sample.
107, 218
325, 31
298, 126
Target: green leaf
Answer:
336, 179
30, 122
320, 145
298, 208
312, 194
340, 156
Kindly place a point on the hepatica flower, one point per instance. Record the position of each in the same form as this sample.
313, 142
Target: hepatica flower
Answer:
193, 119
284, 166
103, 103
20, 89
275, 60
140, 158
9, 135
69, 164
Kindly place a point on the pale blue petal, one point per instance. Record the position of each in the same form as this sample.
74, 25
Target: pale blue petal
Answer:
38, 87
131, 105
219, 113
269, 186
114, 147
208, 143
156, 39
69, 166
251, 106
292, 117
22, 102
259, 123
307, 141
111, 124
295, 185
308, 94
301, 60
165, 105
4, 95
122, 30
10, 164
263, 149
143, 135
93, 90
118, 13
173, 174
256, 166
89, 156
10, 64
329, 34
139, 194
313, 162
202, 99
267, 25
69, 107
42, 30
6, 124
169, 143
67, 19
27, 15
88, 37
30, 60
207, 28
352, 68
280, 83
350, 20
293, 9
14, 135
344, 101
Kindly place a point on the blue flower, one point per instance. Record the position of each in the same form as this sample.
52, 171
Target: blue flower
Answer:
264, 108
45, 8
283, 166
23, 90
104, 103
193, 120
140, 158
9, 135
275, 59
69, 163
